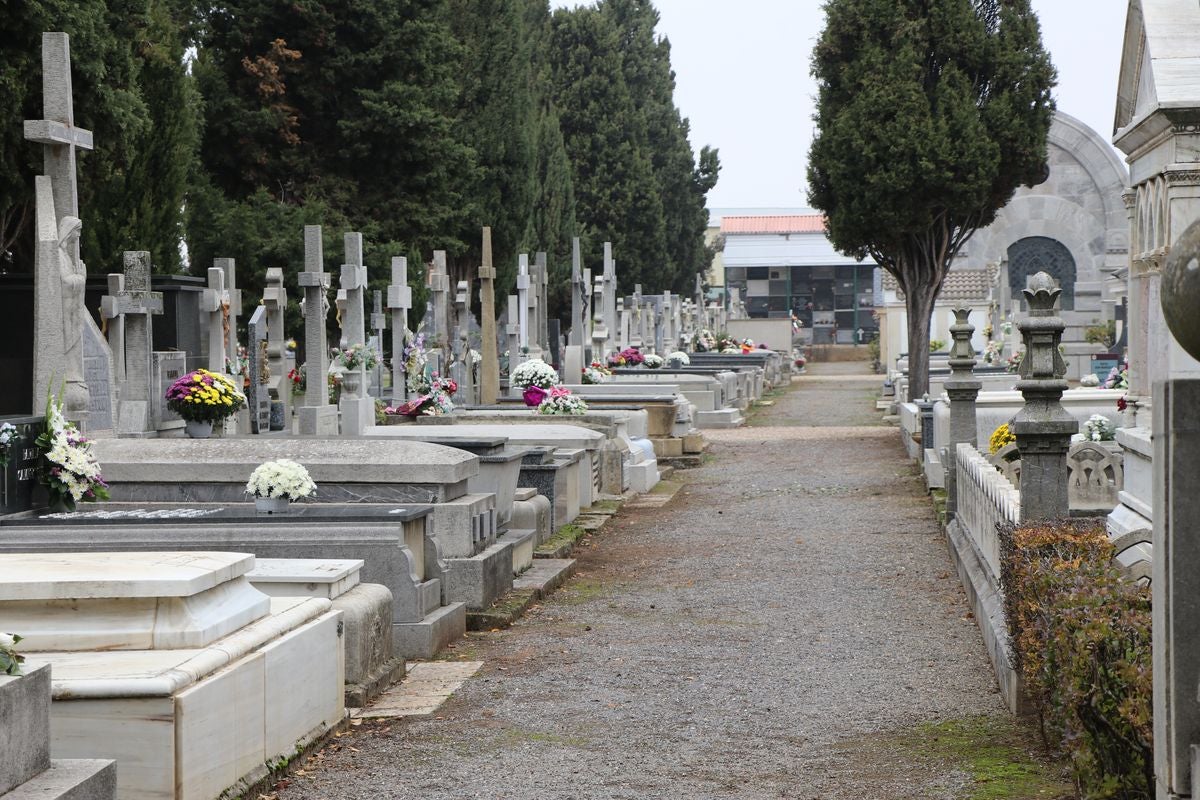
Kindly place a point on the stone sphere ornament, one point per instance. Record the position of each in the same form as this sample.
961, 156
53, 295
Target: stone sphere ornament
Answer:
1181, 290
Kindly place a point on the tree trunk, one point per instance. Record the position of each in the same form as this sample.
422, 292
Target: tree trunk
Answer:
920, 309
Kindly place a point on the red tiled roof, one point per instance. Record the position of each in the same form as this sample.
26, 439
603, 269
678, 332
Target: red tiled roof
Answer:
791, 223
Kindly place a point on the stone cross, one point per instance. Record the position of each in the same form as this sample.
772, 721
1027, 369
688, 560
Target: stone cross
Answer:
513, 331
354, 283
625, 319
258, 395
667, 317
317, 416
578, 296
213, 308
115, 324
1043, 427
378, 326
399, 301
523, 299
462, 365
600, 330
586, 319
275, 303
233, 300
658, 308
701, 317
137, 303
610, 291
56, 132
963, 390
542, 276
439, 302
489, 366
635, 337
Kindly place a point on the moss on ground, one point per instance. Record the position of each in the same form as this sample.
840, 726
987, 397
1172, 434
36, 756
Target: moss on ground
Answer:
566, 536
578, 591
1000, 756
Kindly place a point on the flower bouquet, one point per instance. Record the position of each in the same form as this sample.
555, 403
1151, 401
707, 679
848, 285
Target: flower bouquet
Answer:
356, 356
276, 483
704, 341
297, 378
68, 468
596, 373
1001, 438
1098, 428
8, 436
10, 659
560, 402
629, 357
747, 346
727, 344
1118, 378
534, 372
203, 396
678, 359
433, 404
651, 361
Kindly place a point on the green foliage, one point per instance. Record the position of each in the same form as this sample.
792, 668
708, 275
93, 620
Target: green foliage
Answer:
945, 101
937, 345
1104, 334
131, 90
10, 659
1081, 638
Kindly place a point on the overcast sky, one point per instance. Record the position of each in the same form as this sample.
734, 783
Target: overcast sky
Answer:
742, 80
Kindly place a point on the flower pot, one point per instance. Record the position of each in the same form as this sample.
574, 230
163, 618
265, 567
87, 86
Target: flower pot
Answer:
271, 505
352, 383
534, 395
198, 430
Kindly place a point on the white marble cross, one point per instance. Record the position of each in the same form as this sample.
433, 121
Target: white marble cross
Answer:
57, 132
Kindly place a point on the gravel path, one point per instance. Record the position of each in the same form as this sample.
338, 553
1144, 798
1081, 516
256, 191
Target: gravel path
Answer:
768, 634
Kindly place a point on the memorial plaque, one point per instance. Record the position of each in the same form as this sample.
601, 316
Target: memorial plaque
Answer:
1105, 363
166, 367
97, 373
20, 476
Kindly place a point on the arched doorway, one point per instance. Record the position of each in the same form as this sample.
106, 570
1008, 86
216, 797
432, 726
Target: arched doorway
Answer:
1035, 254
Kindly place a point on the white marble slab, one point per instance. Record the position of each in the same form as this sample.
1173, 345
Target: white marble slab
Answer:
305, 577
60, 576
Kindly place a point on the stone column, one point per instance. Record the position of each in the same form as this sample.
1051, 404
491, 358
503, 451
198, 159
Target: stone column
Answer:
489, 366
1176, 569
1043, 427
399, 301
963, 390
317, 416
357, 408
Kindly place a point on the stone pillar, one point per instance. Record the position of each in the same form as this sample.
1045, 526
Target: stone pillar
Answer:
925, 405
399, 301
275, 303
258, 394
1176, 570
522, 320
378, 326
578, 314
513, 332
600, 330
611, 320
318, 417
963, 390
233, 300
541, 274
356, 406
489, 365
1043, 427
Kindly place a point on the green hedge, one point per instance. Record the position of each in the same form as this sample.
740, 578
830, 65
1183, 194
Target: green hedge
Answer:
1080, 637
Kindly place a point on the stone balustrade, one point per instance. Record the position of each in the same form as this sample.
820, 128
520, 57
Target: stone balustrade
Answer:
985, 500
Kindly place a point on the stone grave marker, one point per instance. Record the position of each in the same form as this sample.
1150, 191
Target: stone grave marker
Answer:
317, 416
489, 365
98, 375
166, 366
541, 276
20, 476
214, 312
114, 322
378, 326
275, 302
524, 345
232, 297
399, 302
137, 303
258, 393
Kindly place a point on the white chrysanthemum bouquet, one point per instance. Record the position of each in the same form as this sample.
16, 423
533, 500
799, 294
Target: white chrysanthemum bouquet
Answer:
282, 478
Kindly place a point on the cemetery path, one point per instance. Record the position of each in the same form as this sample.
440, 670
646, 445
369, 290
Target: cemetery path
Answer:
789, 626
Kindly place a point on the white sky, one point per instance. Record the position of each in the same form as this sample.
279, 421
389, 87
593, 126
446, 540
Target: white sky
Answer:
742, 79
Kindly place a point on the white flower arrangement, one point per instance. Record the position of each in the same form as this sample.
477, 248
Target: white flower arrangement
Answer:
652, 361
534, 372
282, 478
678, 359
1089, 380
70, 471
593, 376
560, 402
1099, 429
8, 435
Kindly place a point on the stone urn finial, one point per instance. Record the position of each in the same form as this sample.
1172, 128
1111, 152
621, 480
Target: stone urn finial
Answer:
1042, 332
961, 350
1181, 290
1042, 293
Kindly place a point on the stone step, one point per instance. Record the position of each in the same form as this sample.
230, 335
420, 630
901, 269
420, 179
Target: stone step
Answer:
681, 462
665, 471
561, 544
662, 494
70, 779
505, 612
546, 575
425, 638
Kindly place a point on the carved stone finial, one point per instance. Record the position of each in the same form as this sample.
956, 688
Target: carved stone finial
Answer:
1181, 290
961, 332
1042, 293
